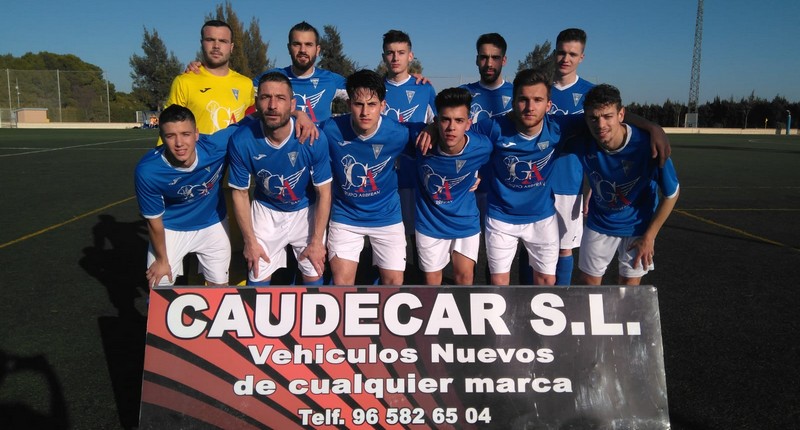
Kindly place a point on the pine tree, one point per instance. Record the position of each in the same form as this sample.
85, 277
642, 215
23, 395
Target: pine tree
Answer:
154, 71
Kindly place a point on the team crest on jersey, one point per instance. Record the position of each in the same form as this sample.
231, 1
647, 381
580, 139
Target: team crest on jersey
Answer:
189, 192
439, 187
280, 187
314, 82
576, 98
610, 194
543, 145
361, 177
292, 157
376, 150
522, 172
410, 95
235, 93
460, 164
506, 99
627, 165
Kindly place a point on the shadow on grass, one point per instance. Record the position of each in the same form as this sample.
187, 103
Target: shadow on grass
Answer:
117, 259
34, 371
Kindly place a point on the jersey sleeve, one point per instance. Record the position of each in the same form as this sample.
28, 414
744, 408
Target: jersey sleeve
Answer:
321, 167
151, 202
668, 180
238, 173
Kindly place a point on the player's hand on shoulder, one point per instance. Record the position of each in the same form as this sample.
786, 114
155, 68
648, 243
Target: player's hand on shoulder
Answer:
305, 129
193, 67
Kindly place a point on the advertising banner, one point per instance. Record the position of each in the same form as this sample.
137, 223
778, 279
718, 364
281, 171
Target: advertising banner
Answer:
404, 358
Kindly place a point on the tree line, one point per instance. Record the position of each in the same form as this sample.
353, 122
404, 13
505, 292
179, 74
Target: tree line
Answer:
155, 67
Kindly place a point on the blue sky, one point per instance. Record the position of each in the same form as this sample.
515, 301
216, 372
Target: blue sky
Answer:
642, 47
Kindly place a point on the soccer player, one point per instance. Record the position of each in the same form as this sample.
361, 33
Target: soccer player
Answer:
407, 100
567, 96
521, 206
314, 89
447, 221
625, 212
491, 95
177, 187
364, 146
281, 213
216, 94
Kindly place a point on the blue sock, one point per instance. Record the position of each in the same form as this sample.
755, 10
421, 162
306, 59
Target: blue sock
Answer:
564, 270
258, 283
319, 281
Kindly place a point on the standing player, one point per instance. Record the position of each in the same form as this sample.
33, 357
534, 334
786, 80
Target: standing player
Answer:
216, 94
625, 212
314, 89
281, 214
364, 146
407, 100
491, 95
567, 97
447, 221
177, 187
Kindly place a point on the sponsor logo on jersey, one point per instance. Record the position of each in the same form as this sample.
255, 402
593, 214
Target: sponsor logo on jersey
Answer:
205, 89
525, 172
189, 192
307, 103
439, 187
361, 177
400, 116
610, 194
280, 187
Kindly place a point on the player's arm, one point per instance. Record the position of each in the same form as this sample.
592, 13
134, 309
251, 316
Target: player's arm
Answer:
305, 129
253, 251
659, 143
645, 245
158, 240
315, 251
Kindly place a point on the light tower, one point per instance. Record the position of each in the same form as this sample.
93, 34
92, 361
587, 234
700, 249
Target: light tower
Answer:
694, 81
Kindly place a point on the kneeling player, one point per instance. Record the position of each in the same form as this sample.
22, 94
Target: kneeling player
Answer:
447, 219
177, 187
625, 212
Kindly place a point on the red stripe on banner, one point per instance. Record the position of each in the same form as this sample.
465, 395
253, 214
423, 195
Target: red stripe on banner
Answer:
179, 402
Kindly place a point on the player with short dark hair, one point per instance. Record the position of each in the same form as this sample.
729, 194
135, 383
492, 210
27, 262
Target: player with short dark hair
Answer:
447, 218
625, 212
177, 188
567, 96
364, 146
281, 212
314, 88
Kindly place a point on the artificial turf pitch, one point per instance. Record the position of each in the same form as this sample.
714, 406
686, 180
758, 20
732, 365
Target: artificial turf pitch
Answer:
73, 294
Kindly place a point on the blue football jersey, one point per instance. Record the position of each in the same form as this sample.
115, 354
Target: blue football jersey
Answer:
187, 199
409, 102
489, 102
625, 184
520, 191
314, 93
567, 173
364, 179
282, 173
446, 208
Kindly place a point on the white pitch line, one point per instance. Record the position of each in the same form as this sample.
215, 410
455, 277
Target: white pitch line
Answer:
71, 147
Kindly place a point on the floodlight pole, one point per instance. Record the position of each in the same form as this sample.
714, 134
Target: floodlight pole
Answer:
58, 81
108, 99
